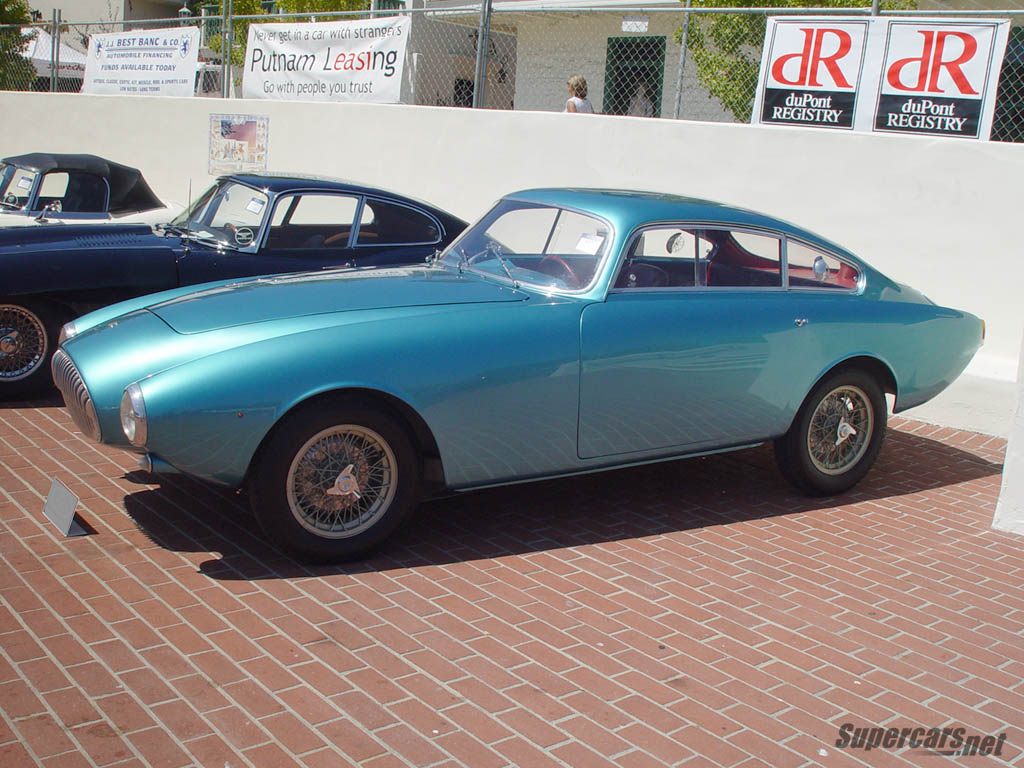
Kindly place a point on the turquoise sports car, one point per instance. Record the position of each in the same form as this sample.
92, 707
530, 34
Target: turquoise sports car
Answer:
569, 330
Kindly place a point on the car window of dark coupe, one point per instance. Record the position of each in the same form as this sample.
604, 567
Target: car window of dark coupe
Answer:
312, 220
385, 223
810, 268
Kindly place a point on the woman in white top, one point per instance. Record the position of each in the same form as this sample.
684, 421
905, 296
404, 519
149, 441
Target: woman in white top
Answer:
577, 101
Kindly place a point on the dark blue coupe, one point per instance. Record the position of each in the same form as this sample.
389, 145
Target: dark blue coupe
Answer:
243, 225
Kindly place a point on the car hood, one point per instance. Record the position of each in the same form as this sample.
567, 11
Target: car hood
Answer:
313, 293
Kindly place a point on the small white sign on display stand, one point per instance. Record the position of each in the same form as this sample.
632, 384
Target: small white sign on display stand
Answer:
60, 509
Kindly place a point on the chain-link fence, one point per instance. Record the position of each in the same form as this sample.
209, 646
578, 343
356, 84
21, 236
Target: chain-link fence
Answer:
658, 62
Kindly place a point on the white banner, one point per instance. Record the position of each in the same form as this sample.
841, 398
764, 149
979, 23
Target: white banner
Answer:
920, 76
327, 61
153, 62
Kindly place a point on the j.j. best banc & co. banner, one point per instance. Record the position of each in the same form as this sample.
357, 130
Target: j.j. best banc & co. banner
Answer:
921, 76
332, 61
152, 62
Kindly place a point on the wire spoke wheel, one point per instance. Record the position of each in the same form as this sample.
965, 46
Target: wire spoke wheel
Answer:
342, 481
840, 430
23, 343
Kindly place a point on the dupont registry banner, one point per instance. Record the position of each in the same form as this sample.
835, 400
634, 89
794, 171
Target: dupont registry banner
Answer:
919, 76
152, 62
327, 61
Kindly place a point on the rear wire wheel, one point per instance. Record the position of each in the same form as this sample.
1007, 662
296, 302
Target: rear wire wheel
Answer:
836, 435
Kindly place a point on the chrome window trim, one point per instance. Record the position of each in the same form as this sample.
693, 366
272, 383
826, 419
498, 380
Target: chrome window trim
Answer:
702, 226
599, 270
861, 276
277, 197
354, 240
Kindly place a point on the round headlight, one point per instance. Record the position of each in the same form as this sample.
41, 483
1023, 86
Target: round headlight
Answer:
68, 331
133, 415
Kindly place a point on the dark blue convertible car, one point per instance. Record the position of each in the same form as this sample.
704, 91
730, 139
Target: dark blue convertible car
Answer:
243, 225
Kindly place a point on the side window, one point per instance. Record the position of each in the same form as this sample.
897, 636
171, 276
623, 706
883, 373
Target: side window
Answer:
77, 192
740, 259
312, 220
386, 223
662, 257
810, 268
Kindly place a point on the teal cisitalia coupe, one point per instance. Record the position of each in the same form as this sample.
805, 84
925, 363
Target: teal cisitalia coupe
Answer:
567, 331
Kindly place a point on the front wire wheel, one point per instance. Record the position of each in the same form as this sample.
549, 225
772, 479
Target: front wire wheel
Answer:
27, 341
335, 480
836, 435
341, 481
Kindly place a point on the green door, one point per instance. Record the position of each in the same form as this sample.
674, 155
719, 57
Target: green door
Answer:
633, 76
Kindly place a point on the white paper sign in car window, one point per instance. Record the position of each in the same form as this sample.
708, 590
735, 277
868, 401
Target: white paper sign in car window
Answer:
255, 205
24, 183
589, 244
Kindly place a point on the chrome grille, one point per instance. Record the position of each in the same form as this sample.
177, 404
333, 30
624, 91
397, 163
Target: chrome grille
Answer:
76, 396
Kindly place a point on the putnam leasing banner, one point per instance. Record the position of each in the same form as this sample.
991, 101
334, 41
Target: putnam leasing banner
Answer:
332, 61
153, 62
921, 76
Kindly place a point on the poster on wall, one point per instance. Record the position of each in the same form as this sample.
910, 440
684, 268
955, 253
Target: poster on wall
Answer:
920, 76
238, 143
150, 62
327, 61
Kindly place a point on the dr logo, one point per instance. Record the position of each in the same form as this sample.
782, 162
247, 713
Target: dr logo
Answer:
937, 54
811, 59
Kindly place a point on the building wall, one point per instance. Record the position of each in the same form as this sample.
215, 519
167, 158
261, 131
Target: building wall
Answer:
939, 214
551, 47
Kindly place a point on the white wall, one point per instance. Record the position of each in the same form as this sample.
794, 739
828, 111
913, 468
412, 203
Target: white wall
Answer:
940, 214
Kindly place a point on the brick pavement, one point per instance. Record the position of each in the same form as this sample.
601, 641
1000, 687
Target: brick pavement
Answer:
694, 613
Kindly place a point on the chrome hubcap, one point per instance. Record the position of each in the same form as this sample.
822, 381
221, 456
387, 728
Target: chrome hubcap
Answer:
840, 430
22, 342
342, 481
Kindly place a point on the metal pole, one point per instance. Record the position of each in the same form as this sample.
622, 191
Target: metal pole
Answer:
53, 51
225, 51
874, 7
480, 77
682, 60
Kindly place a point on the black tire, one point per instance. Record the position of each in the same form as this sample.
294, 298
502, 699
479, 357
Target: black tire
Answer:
28, 339
303, 492
807, 455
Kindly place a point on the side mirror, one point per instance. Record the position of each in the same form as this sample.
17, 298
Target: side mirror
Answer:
52, 207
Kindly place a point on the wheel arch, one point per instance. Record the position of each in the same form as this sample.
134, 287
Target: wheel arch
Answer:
420, 433
872, 366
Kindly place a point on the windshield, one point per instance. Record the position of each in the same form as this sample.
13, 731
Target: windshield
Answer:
228, 213
15, 187
542, 245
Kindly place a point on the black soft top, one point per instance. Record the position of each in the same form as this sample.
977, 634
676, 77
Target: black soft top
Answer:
129, 192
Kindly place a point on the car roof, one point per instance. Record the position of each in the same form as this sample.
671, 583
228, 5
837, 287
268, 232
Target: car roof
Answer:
288, 182
129, 192
628, 209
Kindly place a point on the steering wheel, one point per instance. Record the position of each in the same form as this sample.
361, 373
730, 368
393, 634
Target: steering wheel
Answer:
10, 198
570, 278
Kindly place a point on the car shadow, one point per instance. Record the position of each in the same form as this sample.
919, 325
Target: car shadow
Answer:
48, 399
182, 514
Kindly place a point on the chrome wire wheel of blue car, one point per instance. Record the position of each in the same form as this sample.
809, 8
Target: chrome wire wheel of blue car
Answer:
836, 436
840, 430
334, 479
26, 344
341, 481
